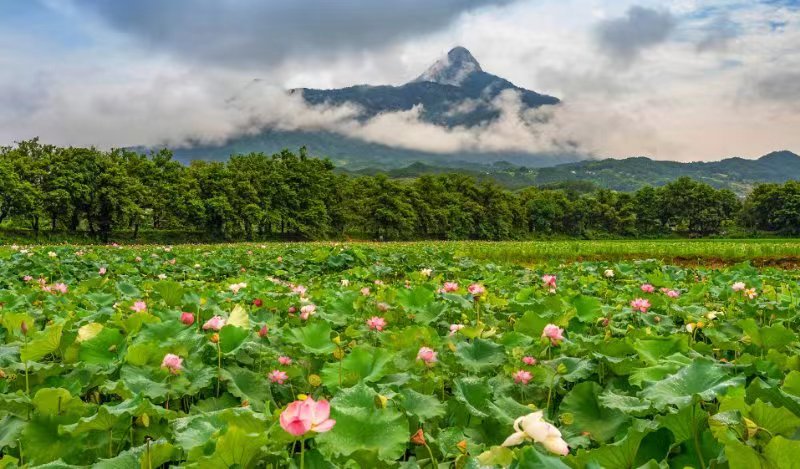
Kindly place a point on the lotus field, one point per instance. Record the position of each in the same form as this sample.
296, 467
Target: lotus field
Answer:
351, 356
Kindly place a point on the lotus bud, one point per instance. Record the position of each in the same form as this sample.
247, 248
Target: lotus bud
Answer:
462, 446
418, 438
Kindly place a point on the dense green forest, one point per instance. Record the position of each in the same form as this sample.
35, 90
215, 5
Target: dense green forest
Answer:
46, 188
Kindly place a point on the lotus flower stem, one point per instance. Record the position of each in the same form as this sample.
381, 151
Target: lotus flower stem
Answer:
25, 364
434, 462
302, 453
696, 438
219, 367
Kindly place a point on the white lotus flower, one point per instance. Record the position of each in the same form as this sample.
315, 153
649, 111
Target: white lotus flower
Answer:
609, 273
533, 428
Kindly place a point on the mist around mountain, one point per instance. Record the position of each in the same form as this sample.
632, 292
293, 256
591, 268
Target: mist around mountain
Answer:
453, 92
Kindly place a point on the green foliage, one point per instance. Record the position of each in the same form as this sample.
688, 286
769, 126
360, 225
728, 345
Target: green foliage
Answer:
288, 195
87, 384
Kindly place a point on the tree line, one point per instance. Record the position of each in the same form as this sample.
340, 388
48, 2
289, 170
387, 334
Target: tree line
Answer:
292, 196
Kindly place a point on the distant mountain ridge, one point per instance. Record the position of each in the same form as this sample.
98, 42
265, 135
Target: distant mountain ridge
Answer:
736, 174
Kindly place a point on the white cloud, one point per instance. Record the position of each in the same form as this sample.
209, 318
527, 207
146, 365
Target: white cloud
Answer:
673, 102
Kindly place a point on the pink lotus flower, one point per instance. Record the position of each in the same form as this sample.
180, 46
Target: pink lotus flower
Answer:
454, 328
278, 376
365, 291
301, 417
300, 290
292, 309
647, 288
283, 360
60, 288
382, 307
427, 355
187, 318
522, 377
139, 306
376, 323
449, 287
673, 293
27, 278
216, 323
102, 271
528, 360
378, 282
307, 311
263, 331
173, 363
476, 290
738, 286
554, 333
549, 282
640, 304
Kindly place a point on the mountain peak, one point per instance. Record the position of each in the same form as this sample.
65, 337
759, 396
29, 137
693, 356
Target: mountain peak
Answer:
453, 68
783, 156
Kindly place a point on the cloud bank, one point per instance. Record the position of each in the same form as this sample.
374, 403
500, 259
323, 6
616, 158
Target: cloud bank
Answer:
257, 33
624, 38
707, 79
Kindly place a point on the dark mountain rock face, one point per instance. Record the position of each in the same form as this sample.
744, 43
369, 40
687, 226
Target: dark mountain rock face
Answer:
453, 91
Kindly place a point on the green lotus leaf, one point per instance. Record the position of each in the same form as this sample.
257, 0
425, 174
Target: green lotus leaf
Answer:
530, 458
589, 415
776, 420
424, 406
702, 378
475, 393
480, 355
364, 428
104, 348
588, 308
363, 363
315, 338
42, 343
231, 338
248, 386
169, 291
154, 454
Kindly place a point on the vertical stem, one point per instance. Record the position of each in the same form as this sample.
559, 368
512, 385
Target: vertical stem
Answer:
25, 364
341, 357
110, 441
219, 367
696, 438
434, 462
149, 459
302, 453
21, 453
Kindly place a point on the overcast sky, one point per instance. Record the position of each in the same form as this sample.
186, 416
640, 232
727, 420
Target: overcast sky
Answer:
679, 79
